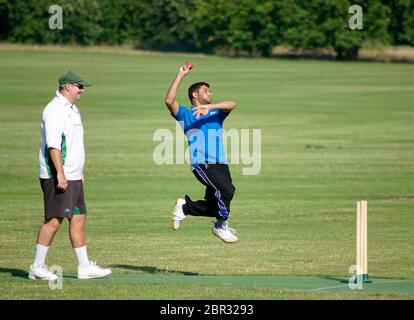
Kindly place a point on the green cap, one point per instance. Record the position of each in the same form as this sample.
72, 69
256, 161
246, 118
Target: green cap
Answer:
73, 77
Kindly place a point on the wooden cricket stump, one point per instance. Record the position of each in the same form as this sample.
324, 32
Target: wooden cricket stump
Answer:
362, 242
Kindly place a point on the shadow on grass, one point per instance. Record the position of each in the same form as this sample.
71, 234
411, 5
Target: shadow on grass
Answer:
17, 273
341, 280
153, 270
330, 57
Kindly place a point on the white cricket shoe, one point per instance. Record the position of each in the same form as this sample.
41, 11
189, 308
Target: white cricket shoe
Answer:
92, 271
224, 232
178, 214
233, 231
41, 272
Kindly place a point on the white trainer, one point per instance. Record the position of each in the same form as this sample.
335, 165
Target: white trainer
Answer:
224, 232
92, 271
178, 214
233, 231
41, 272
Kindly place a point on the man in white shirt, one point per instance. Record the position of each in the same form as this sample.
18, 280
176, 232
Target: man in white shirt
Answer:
61, 162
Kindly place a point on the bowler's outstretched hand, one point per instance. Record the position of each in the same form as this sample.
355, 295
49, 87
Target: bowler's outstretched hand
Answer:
184, 70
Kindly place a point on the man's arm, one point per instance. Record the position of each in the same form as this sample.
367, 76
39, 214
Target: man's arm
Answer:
226, 106
56, 156
170, 101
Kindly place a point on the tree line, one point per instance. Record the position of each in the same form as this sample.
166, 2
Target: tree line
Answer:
241, 27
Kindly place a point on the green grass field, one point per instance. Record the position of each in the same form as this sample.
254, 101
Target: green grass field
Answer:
332, 133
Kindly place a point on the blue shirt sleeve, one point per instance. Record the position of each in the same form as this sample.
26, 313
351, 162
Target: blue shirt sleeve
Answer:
182, 117
222, 115
180, 114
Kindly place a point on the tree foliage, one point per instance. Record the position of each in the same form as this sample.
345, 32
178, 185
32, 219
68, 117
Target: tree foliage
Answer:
248, 27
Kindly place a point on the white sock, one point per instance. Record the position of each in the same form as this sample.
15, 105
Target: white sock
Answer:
82, 256
41, 252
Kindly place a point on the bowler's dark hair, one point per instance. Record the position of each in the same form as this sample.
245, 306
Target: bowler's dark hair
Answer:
194, 87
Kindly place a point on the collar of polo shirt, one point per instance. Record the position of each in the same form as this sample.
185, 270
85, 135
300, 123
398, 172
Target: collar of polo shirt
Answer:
62, 98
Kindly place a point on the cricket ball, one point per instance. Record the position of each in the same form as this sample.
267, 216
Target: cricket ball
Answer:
189, 64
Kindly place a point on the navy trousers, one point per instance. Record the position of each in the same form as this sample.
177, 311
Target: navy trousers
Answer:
219, 192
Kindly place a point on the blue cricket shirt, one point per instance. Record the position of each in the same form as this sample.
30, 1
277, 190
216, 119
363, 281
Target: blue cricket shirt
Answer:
205, 135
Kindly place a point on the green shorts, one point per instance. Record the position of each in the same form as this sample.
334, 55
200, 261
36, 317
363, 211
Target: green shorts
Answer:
61, 204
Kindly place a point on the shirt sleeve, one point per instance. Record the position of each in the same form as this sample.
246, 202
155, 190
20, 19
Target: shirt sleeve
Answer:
183, 117
180, 114
53, 125
223, 115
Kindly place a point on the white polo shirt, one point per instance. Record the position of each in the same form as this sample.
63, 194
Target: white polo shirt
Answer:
62, 129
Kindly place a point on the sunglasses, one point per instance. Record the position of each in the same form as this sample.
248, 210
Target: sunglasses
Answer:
78, 85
